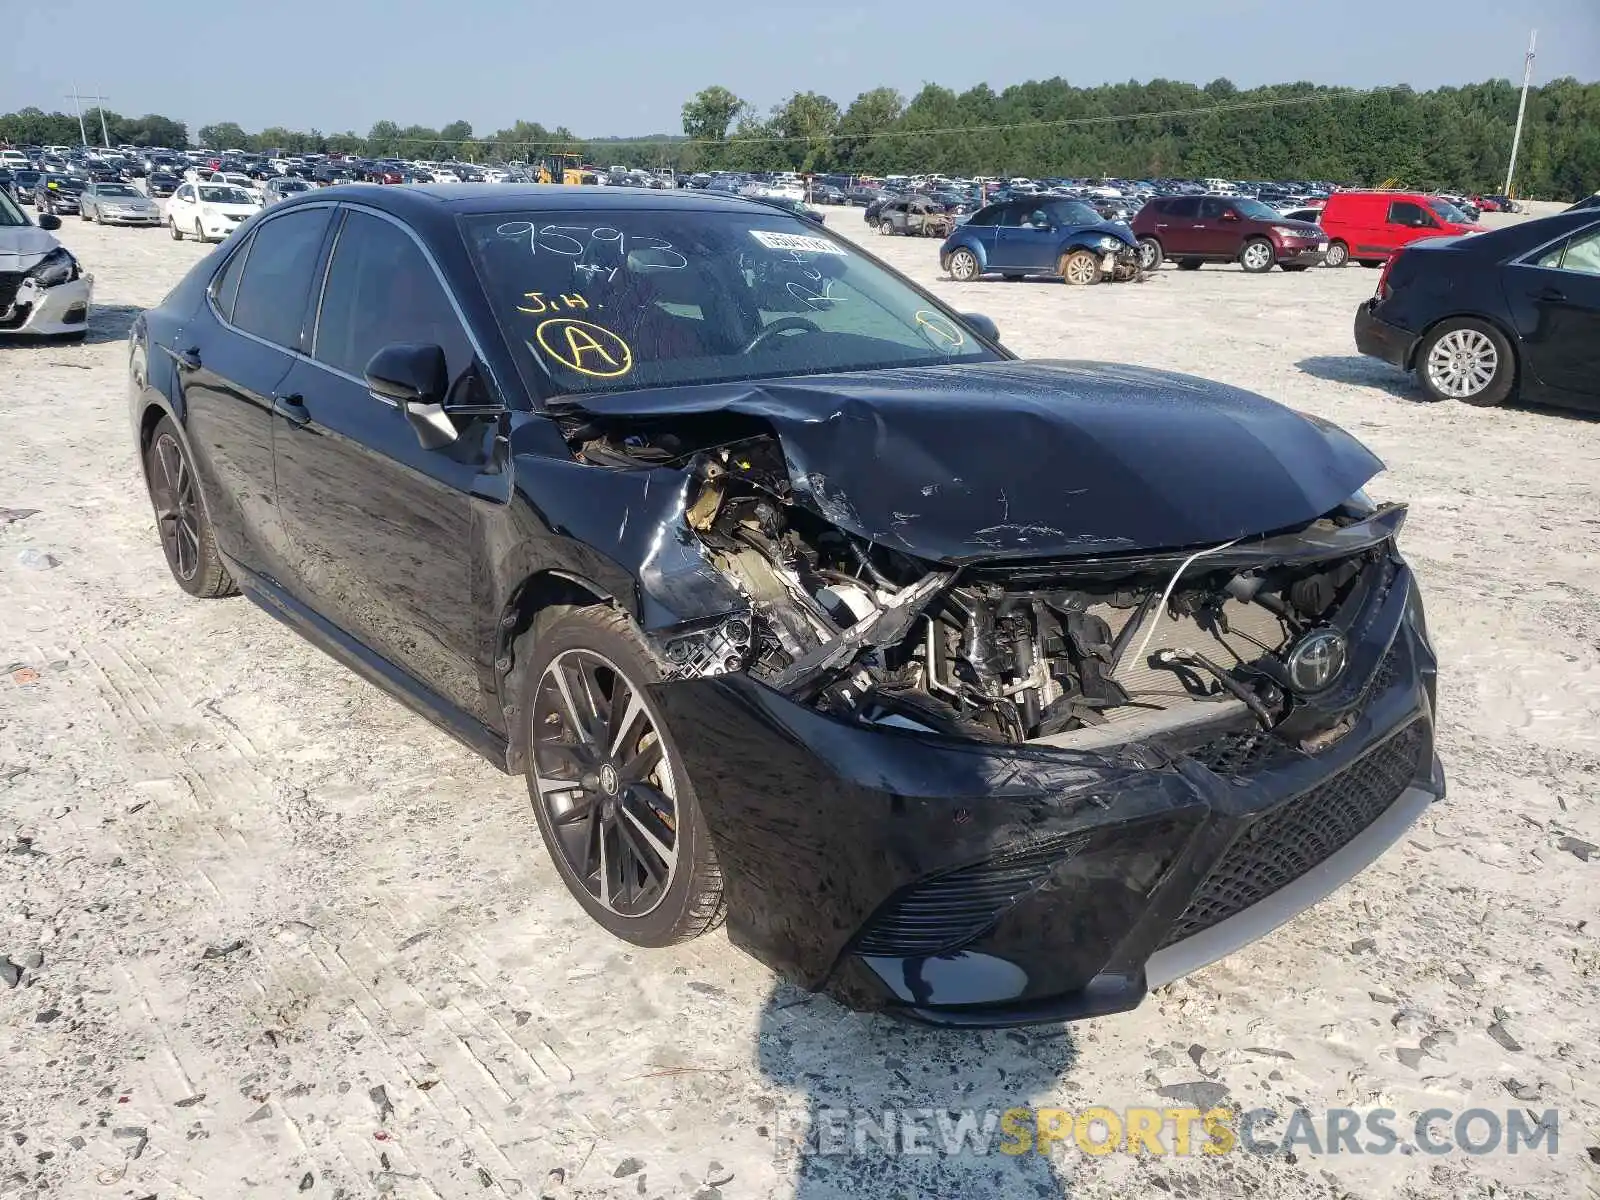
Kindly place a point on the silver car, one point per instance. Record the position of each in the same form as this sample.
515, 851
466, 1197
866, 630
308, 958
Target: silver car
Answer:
117, 204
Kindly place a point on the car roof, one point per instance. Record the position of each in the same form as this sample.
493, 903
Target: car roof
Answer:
422, 200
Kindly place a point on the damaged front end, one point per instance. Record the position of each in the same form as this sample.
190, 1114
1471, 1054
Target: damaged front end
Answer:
1010, 789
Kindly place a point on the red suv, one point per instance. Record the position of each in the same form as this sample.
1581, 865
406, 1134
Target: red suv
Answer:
1192, 230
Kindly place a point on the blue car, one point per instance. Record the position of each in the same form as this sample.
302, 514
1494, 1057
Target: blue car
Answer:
1040, 235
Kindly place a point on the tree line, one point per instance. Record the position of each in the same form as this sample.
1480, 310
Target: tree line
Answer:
1450, 137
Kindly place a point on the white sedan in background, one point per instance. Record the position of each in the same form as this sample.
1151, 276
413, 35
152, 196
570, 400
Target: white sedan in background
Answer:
209, 212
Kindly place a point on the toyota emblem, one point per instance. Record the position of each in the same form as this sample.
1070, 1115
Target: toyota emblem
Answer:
1317, 660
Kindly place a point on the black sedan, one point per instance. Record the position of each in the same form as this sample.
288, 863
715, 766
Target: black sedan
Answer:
1480, 317
162, 183
770, 574
57, 194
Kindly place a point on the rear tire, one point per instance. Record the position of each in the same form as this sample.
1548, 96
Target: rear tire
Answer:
1189, 264
187, 539
1338, 255
1467, 360
572, 664
1080, 268
1151, 255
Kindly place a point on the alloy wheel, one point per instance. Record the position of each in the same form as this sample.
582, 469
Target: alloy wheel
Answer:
177, 507
1257, 256
1147, 254
1463, 363
1081, 269
963, 266
603, 777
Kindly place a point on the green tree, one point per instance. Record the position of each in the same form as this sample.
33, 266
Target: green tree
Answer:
225, 135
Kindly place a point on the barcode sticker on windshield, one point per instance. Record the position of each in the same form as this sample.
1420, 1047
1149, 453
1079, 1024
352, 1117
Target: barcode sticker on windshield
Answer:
795, 241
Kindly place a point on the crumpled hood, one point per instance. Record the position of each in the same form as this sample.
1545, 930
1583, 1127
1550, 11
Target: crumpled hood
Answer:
23, 245
1035, 459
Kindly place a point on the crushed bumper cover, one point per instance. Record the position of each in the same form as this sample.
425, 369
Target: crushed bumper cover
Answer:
987, 885
48, 311
1379, 339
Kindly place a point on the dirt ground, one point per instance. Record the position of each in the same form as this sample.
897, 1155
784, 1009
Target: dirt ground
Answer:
277, 936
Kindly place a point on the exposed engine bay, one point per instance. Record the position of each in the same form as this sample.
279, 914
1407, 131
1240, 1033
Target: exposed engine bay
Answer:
995, 651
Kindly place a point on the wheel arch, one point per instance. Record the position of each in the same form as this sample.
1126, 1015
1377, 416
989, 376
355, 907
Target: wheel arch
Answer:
540, 592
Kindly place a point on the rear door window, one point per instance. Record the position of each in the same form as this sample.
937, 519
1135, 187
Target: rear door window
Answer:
276, 284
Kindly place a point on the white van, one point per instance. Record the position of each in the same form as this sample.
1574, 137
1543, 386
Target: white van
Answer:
43, 290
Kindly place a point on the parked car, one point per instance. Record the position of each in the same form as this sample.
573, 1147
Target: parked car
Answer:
25, 183
209, 211
914, 216
43, 290
58, 194
162, 182
281, 187
749, 659
1039, 235
861, 197
1479, 318
1367, 227
1194, 230
1587, 202
117, 204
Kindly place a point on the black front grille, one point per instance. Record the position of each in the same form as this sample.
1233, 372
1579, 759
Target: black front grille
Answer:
1281, 846
944, 913
10, 282
1239, 753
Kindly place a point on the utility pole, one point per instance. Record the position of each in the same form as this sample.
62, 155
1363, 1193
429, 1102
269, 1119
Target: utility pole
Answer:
1522, 106
78, 100
78, 103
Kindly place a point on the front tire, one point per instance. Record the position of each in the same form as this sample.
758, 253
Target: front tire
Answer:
1338, 255
1257, 256
1079, 268
964, 265
613, 799
187, 538
177, 234
1151, 255
199, 232
1466, 360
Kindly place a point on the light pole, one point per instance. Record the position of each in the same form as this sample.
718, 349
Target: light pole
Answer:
1522, 107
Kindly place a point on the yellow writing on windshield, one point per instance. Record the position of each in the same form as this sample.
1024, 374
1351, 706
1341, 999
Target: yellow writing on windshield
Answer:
584, 347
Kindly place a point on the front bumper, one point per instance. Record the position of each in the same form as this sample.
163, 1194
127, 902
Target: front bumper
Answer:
985, 885
142, 218
50, 311
1379, 339
1301, 256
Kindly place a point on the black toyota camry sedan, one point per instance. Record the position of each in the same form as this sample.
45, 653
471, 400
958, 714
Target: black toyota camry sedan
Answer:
982, 690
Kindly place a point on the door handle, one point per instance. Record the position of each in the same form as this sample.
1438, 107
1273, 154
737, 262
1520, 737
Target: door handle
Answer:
1550, 293
292, 409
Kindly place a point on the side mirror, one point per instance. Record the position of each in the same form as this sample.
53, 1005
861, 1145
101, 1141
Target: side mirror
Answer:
49, 221
413, 377
985, 327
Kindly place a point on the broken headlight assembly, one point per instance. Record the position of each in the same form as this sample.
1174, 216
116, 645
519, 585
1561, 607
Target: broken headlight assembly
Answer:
54, 269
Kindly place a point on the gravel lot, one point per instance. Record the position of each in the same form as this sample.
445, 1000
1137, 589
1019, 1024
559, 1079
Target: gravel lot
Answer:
275, 935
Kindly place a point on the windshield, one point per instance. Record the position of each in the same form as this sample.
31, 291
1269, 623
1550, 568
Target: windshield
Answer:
622, 299
10, 214
226, 195
1446, 211
1074, 212
114, 189
1257, 211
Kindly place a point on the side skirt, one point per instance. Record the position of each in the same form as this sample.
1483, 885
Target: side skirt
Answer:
375, 669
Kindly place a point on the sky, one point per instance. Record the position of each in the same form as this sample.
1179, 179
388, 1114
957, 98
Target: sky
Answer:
627, 66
